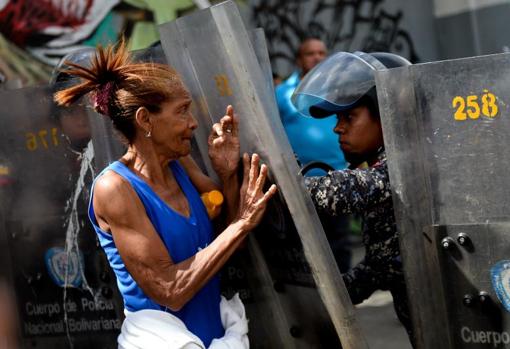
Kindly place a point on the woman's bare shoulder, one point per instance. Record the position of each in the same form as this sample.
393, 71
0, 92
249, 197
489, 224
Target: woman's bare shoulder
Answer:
110, 185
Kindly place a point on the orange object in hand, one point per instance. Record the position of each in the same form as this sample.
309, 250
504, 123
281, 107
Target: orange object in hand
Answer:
212, 201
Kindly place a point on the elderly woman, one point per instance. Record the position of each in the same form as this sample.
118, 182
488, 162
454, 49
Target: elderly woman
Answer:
146, 207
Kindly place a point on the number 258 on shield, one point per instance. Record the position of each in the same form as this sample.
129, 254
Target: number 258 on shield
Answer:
472, 107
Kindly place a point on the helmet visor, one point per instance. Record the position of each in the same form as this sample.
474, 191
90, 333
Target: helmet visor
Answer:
82, 56
335, 84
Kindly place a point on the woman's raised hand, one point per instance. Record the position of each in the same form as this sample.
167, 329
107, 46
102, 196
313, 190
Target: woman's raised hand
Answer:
253, 200
224, 144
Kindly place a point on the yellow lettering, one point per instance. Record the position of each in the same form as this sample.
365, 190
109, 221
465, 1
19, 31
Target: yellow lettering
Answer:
473, 109
489, 106
31, 141
222, 84
459, 103
54, 136
42, 137
469, 106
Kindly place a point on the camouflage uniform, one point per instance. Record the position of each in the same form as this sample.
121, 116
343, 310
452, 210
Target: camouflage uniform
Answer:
367, 193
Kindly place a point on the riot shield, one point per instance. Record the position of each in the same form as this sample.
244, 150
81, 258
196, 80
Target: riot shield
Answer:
212, 51
258, 42
445, 128
65, 291
246, 272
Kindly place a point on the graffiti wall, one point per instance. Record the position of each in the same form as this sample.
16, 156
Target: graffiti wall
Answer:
368, 25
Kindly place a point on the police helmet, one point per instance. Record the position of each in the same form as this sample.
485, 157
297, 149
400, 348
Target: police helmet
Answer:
341, 81
59, 78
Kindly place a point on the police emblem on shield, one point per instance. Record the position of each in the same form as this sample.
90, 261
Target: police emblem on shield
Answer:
64, 267
500, 276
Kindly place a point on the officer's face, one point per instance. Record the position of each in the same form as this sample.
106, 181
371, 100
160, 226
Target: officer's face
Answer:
75, 126
360, 133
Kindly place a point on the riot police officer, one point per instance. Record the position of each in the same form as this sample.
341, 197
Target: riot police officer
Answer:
344, 85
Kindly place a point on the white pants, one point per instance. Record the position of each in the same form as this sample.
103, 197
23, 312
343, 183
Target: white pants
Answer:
154, 329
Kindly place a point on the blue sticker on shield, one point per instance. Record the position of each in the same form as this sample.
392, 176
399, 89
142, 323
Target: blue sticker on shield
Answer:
57, 261
500, 276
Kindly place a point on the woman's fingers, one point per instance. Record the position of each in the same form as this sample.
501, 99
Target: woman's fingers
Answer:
269, 193
254, 171
227, 126
259, 185
235, 122
256, 175
230, 111
217, 130
227, 122
254, 200
230, 122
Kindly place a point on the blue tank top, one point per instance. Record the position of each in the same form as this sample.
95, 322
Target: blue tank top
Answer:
183, 237
311, 139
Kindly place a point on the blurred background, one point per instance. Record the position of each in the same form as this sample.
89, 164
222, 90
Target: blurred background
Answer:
34, 35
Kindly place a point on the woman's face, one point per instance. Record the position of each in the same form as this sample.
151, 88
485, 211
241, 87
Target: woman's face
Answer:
172, 128
360, 133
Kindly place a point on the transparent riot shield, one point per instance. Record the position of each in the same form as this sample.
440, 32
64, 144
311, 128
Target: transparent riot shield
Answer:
246, 272
258, 42
446, 126
215, 56
64, 291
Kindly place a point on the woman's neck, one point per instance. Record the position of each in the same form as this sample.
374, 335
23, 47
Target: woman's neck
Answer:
146, 161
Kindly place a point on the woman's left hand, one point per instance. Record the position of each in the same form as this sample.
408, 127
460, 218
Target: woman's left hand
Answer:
224, 144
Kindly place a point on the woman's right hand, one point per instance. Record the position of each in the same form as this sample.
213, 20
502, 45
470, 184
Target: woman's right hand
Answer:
253, 200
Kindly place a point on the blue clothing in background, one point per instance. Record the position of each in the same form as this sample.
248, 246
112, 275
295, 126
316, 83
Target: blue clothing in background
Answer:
183, 237
311, 139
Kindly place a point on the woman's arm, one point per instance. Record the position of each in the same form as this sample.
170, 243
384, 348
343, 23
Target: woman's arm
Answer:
120, 211
200, 180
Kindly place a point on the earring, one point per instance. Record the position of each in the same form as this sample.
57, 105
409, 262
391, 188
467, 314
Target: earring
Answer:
148, 134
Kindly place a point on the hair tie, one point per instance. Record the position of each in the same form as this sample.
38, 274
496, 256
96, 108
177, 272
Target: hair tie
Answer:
103, 98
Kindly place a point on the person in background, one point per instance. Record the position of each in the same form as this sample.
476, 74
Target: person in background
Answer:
146, 207
277, 79
314, 143
344, 85
311, 139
